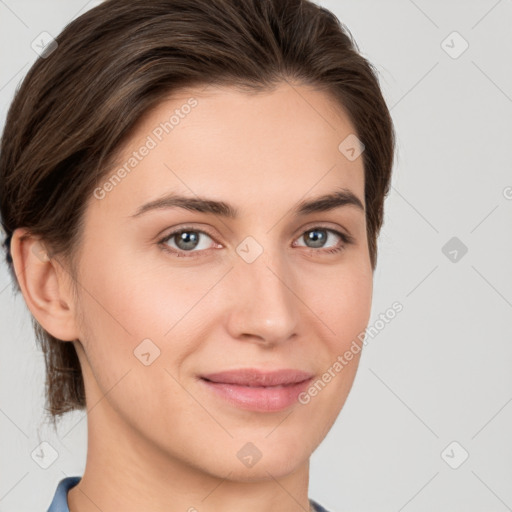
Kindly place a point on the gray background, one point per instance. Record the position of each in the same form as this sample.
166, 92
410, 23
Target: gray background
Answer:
436, 382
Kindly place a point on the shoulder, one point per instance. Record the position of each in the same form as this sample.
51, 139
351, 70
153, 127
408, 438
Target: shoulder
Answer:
60, 498
317, 507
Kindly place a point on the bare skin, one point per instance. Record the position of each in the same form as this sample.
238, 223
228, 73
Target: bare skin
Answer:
158, 438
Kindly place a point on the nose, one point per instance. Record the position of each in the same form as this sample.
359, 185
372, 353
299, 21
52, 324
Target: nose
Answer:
264, 306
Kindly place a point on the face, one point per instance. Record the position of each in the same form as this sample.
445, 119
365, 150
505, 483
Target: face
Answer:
169, 295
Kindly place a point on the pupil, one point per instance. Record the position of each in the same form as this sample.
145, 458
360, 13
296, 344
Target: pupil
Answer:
190, 241
316, 238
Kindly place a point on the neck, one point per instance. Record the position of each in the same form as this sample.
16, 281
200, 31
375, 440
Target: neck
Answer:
125, 471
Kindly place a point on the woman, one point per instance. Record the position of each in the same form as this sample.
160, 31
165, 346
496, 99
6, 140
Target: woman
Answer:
192, 192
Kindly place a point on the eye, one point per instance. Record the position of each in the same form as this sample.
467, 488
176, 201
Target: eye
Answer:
192, 241
186, 240
319, 235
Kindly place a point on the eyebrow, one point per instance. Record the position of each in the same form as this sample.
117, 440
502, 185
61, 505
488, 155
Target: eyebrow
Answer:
337, 199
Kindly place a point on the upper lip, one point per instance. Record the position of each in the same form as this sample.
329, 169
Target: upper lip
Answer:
257, 377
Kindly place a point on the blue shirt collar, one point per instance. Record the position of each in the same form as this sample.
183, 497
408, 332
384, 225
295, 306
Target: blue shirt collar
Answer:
60, 498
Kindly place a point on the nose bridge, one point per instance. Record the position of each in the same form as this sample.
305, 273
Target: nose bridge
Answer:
265, 305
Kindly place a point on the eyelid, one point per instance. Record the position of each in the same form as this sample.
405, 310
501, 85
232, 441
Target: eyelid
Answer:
185, 227
325, 225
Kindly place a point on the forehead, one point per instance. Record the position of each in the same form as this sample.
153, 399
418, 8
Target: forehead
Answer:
253, 148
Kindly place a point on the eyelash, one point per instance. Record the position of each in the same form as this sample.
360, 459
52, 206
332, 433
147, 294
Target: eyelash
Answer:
346, 240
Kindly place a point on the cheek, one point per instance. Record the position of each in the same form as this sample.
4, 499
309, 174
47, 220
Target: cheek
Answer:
132, 296
354, 301
133, 301
343, 310
341, 298
127, 314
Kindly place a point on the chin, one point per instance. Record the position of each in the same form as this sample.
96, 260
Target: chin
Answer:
261, 460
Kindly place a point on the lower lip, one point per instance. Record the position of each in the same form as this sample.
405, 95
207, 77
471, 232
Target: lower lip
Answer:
261, 399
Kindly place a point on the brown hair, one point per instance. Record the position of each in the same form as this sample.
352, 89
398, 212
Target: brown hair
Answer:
79, 103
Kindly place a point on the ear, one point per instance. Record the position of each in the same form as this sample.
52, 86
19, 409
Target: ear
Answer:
45, 285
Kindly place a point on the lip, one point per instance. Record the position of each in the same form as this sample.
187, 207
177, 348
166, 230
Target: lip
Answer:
258, 390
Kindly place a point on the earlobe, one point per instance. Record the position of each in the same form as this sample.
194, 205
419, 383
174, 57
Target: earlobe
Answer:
44, 285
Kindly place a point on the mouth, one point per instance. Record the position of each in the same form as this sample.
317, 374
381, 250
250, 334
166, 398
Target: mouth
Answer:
254, 377
258, 390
